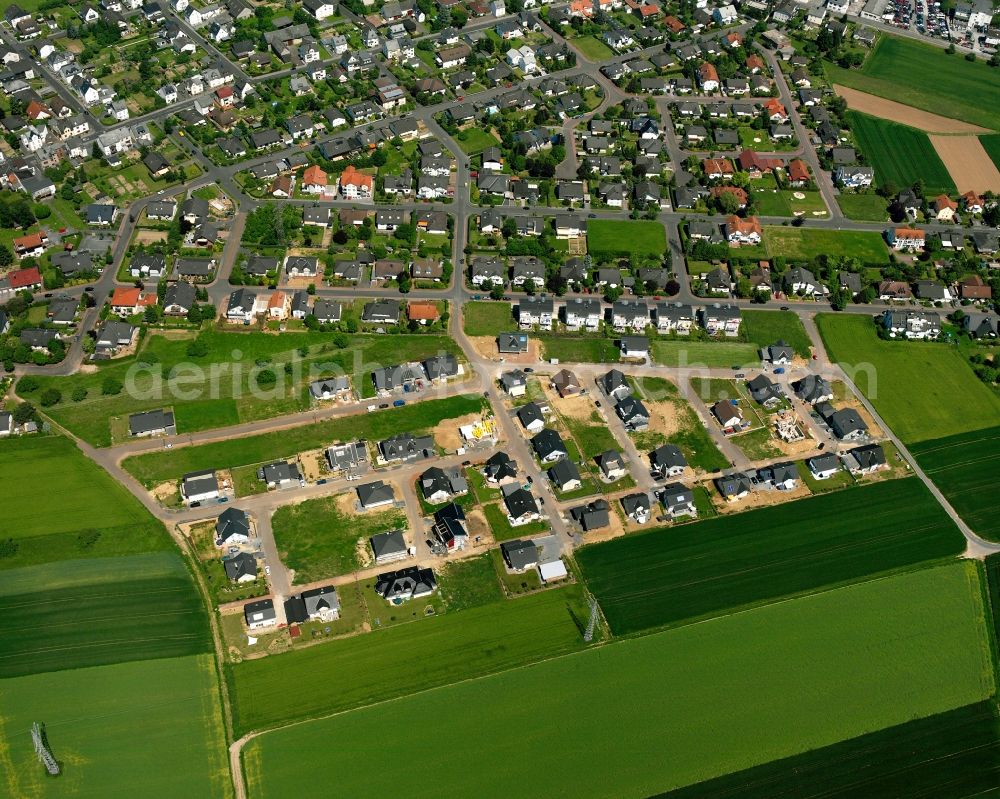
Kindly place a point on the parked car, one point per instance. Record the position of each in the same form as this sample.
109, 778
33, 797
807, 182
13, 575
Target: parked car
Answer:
398, 403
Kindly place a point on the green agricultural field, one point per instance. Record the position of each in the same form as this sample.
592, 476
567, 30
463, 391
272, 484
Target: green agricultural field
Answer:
634, 238
671, 709
316, 540
894, 375
964, 467
798, 243
441, 650
679, 352
955, 753
157, 467
864, 207
764, 328
154, 723
202, 389
579, 349
991, 143
593, 49
926, 77
142, 607
900, 154
75, 526
487, 318
662, 577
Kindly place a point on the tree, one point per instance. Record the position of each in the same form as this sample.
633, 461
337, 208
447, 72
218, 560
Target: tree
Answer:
509, 227
79, 394
6, 255
27, 385
111, 387
50, 397
496, 292
25, 412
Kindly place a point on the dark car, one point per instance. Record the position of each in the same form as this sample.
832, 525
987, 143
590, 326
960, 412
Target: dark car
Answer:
384, 405
527, 370
784, 307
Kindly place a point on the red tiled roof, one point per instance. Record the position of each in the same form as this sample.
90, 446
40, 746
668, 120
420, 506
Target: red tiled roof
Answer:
23, 278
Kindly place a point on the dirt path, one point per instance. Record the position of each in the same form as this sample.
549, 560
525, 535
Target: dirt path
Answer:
968, 164
905, 114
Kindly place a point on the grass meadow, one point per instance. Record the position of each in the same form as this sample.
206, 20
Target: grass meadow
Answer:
900, 154
804, 244
965, 467
406, 658
669, 709
692, 571
230, 402
625, 237
316, 540
487, 318
864, 207
926, 77
680, 352
578, 349
157, 467
154, 723
923, 391
764, 328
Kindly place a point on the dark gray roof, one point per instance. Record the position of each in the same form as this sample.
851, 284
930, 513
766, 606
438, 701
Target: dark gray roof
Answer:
240, 565
232, 521
150, 421
388, 543
520, 554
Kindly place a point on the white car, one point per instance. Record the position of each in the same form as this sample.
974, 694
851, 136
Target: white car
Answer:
267, 570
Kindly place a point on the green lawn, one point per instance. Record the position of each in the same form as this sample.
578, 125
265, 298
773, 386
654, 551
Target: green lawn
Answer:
593, 438
678, 352
955, 753
922, 390
864, 207
438, 651
218, 388
757, 444
926, 77
964, 467
785, 203
764, 328
487, 318
800, 243
474, 140
154, 723
74, 526
670, 709
593, 49
157, 467
711, 567
610, 238
141, 607
496, 516
901, 155
691, 435
316, 540
578, 349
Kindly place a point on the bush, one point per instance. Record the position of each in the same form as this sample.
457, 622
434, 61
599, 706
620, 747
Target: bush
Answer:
111, 387
27, 385
85, 541
8, 548
50, 397
266, 378
197, 349
79, 394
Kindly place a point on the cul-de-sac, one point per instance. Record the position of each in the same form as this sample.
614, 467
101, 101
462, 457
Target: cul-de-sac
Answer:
511, 399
